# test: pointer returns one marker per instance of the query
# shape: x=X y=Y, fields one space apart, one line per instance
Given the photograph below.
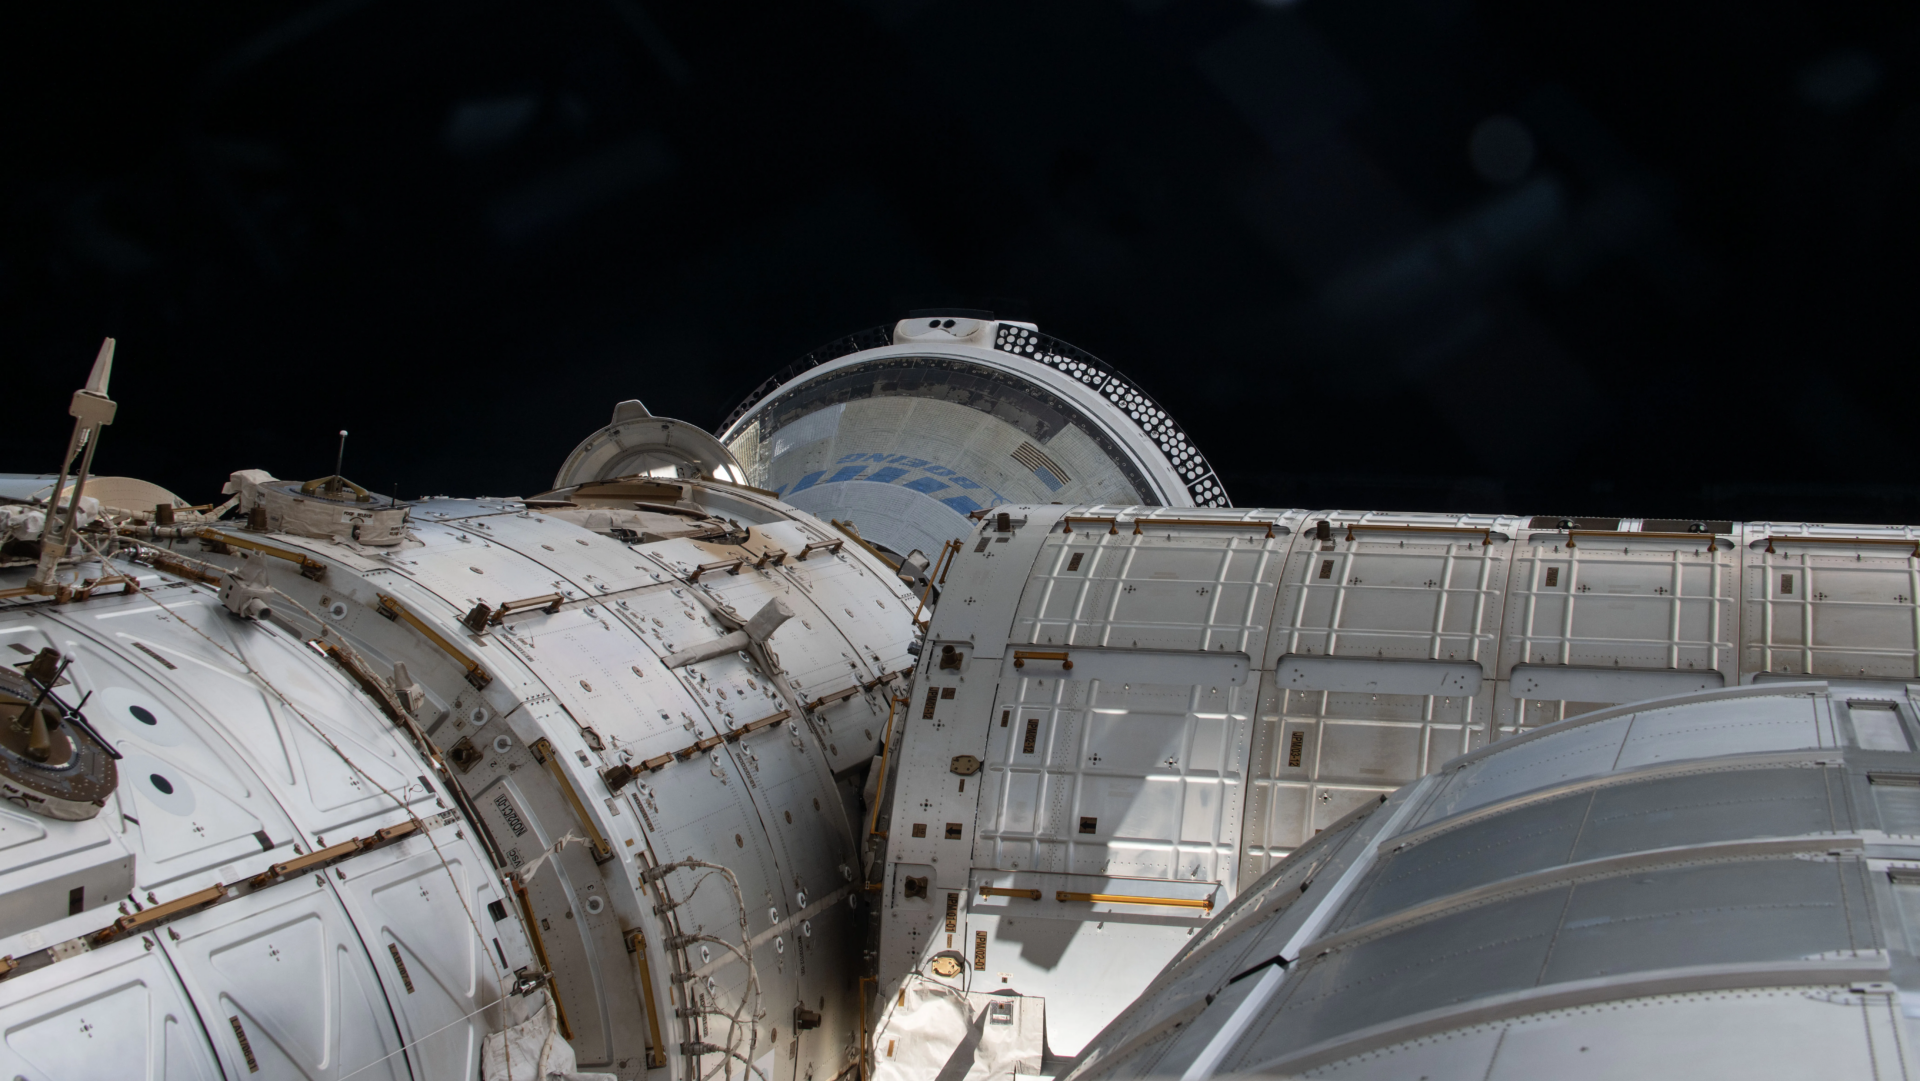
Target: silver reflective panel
x=1699 y=885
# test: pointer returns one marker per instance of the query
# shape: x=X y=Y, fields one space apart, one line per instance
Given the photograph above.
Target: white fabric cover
x=532 y=1051
x=943 y=1034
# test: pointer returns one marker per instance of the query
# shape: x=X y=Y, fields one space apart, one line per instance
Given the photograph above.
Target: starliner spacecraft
x=937 y=719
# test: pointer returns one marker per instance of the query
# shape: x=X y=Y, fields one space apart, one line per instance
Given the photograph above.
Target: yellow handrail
x=880 y=785
x=656 y=1051
x=1889 y=542
x=309 y=567
x=543 y=751
x=1113 y=523
x=393 y=609
x=1125 y=899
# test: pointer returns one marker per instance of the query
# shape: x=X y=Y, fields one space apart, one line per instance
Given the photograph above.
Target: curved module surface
x=905 y=430
x=374 y=802
x=1713 y=885
x=1126 y=715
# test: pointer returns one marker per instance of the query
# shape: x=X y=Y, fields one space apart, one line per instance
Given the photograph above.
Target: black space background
x=464 y=230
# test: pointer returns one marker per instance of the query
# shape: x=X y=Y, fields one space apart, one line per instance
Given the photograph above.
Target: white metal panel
x=807 y=954
x=530 y=818
x=930 y=824
x=1138 y=666
x=1833 y=601
x=1124 y=773
x=1385 y=661
x=117 y=1012
x=1587 y=749
x=591 y=563
x=287 y=963
x=50 y=869
x=1319 y=754
x=1137 y=780
x=732 y=689
x=1421 y=587
x=423 y=912
x=1877 y=726
x=1094 y=958
x=1371 y=676
x=1621 y=603
x=819 y=660
x=702 y=808
x=1164 y=588
x=932 y=819
x=193 y=805
x=851 y=728
x=667 y=617
x=464 y=572
x=788 y=535
x=606 y=678
x=985 y=581
x=354 y=773
x=218 y=679
x=1605 y=686
x=865 y=603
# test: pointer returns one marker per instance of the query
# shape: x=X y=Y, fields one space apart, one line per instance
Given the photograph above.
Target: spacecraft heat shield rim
x=857 y=342
x=1019 y=396
x=1182 y=467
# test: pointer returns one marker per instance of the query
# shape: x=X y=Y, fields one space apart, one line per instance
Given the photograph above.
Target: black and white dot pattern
x=1192 y=466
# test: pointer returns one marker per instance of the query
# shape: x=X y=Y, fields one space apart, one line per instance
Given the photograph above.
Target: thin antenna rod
x=338 y=459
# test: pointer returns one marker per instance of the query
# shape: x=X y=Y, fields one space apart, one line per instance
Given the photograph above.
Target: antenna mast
x=92 y=410
x=333 y=483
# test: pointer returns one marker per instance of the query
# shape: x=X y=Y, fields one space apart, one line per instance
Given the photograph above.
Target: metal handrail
x=1710 y=538
x=880 y=785
x=1486 y=532
x=309 y=567
x=1887 y=542
x=1205 y=903
x=1113 y=523
x=393 y=609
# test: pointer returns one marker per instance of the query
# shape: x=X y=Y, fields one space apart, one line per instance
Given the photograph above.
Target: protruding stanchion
x=92 y=410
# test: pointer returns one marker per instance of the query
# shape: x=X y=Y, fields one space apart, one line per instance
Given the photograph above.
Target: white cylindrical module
x=374 y=801
x=1123 y=716
x=905 y=430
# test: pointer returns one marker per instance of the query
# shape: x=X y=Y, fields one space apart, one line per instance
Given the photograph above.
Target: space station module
x=940 y=718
